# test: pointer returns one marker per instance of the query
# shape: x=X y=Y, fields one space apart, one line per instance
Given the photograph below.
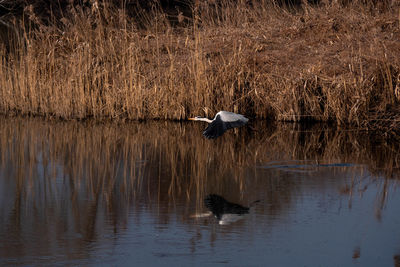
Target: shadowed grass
x=328 y=62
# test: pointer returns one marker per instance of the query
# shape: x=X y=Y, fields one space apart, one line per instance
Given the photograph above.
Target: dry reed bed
x=325 y=63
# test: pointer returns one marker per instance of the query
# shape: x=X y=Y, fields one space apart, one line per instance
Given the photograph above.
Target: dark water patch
x=302 y=166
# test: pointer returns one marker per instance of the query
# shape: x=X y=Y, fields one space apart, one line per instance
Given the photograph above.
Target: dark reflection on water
x=224 y=211
x=85 y=193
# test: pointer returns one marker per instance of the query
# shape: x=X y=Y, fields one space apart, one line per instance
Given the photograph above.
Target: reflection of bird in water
x=225 y=211
x=356 y=253
x=223 y=121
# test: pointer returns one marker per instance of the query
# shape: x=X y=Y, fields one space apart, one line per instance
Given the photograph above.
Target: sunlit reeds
x=328 y=63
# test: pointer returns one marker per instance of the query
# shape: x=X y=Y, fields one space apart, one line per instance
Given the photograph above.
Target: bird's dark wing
x=220 y=206
x=234 y=124
x=215 y=204
x=219 y=127
x=234 y=208
x=216 y=128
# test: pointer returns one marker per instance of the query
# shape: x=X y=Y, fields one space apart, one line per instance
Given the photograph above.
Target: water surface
x=74 y=193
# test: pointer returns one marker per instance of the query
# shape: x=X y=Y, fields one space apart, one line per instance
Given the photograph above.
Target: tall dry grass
x=329 y=62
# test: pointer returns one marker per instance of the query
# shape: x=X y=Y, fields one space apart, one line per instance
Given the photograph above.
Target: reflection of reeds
x=103 y=159
x=81 y=172
x=328 y=63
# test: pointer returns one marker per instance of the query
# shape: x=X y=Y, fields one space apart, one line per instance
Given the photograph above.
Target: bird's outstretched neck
x=200 y=119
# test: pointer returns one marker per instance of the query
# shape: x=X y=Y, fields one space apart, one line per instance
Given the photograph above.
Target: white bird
x=223 y=121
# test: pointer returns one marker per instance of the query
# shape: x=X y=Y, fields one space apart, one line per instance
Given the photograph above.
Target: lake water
x=132 y=194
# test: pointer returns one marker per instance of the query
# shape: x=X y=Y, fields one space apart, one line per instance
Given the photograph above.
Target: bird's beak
x=191 y=119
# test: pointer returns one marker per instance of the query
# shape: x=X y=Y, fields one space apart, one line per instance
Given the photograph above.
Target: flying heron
x=223 y=121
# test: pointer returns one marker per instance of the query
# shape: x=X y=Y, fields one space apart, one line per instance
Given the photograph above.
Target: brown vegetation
x=326 y=62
